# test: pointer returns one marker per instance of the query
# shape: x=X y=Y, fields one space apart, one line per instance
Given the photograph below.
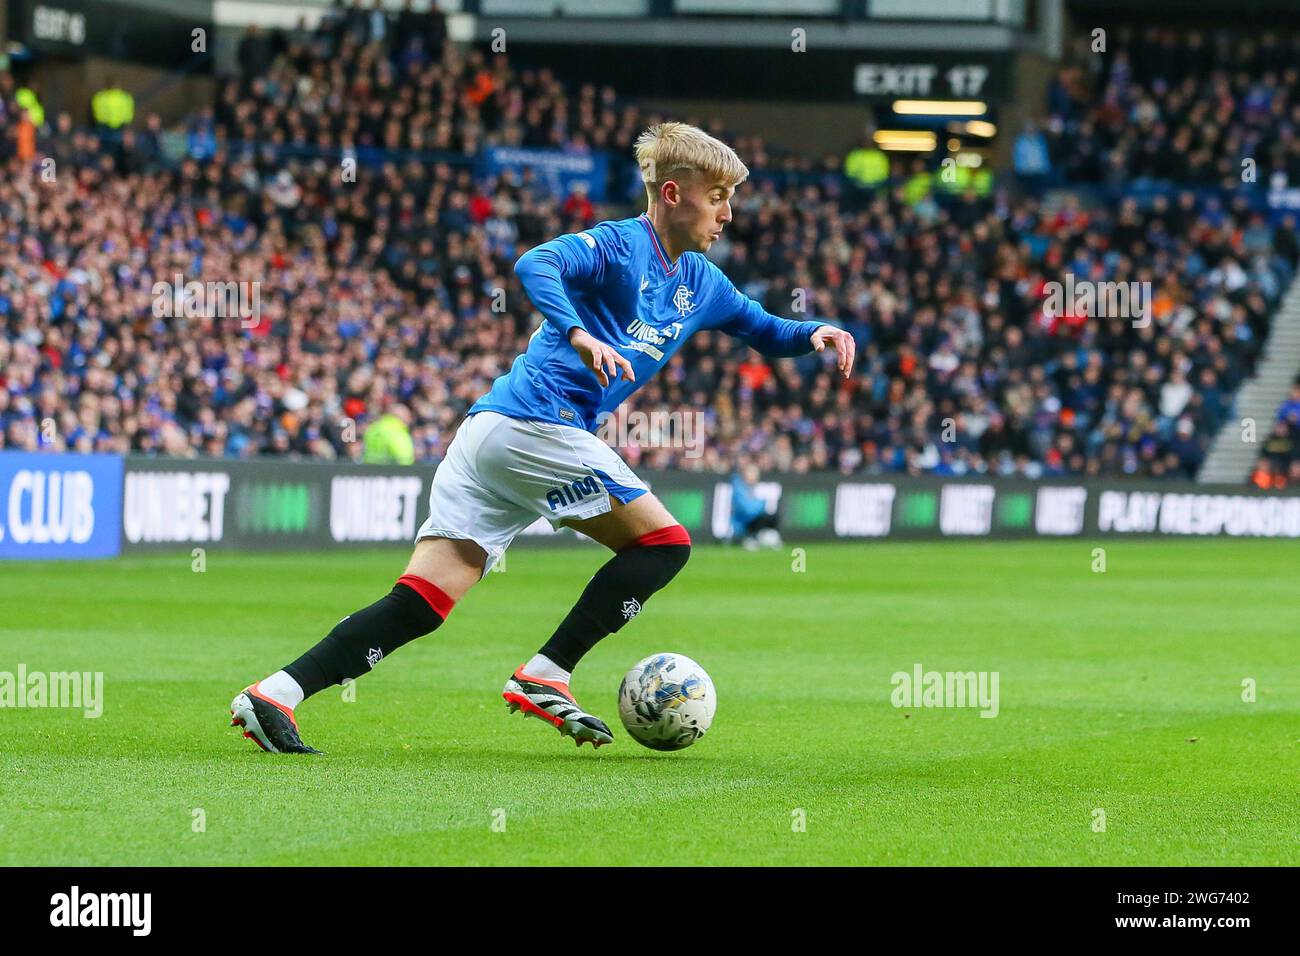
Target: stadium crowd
x=1279 y=461
x=1199 y=108
x=383 y=287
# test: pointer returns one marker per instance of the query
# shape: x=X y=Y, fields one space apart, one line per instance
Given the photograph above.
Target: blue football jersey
x=615 y=281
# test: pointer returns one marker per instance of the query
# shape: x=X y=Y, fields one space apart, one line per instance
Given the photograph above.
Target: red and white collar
x=659 y=246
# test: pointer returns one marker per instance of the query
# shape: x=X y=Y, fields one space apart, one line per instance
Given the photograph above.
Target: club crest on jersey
x=683 y=301
x=570 y=494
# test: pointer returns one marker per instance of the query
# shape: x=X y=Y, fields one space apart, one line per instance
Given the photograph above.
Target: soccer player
x=618 y=299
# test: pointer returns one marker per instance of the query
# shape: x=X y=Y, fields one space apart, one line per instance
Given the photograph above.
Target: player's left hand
x=845 y=347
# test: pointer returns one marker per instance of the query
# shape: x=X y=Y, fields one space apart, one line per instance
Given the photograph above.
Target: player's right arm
x=543 y=271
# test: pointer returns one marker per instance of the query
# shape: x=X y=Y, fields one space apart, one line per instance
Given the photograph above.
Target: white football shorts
x=501 y=473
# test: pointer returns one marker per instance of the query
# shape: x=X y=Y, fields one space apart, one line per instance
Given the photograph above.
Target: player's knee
x=655 y=557
x=682 y=549
x=673 y=535
x=674 y=544
x=681 y=554
x=453 y=564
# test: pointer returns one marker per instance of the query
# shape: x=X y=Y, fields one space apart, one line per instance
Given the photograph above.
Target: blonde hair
x=666 y=150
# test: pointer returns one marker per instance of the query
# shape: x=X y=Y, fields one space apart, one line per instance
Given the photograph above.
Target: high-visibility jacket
x=867 y=166
x=387 y=441
x=26 y=98
x=113 y=107
x=917 y=188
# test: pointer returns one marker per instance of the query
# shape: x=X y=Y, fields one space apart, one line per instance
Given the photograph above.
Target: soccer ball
x=667 y=702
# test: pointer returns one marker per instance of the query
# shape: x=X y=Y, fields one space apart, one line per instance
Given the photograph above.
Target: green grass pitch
x=1119 y=691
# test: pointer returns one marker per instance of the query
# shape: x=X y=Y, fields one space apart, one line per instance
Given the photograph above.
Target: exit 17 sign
x=924 y=79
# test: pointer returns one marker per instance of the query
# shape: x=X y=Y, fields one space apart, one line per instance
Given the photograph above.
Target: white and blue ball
x=667 y=702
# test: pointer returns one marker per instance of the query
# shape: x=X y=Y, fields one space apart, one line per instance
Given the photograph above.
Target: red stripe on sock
x=436 y=596
x=673 y=534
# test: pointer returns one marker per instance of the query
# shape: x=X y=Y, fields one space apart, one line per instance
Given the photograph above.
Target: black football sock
x=413 y=608
x=617 y=592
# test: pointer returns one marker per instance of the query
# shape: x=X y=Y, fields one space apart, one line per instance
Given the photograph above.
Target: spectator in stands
x=387 y=440
x=578 y=207
x=1289 y=411
x=1030 y=157
x=29 y=101
x=866 y=165
x=752 y=524
x=112 y=108
x=254 y=53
